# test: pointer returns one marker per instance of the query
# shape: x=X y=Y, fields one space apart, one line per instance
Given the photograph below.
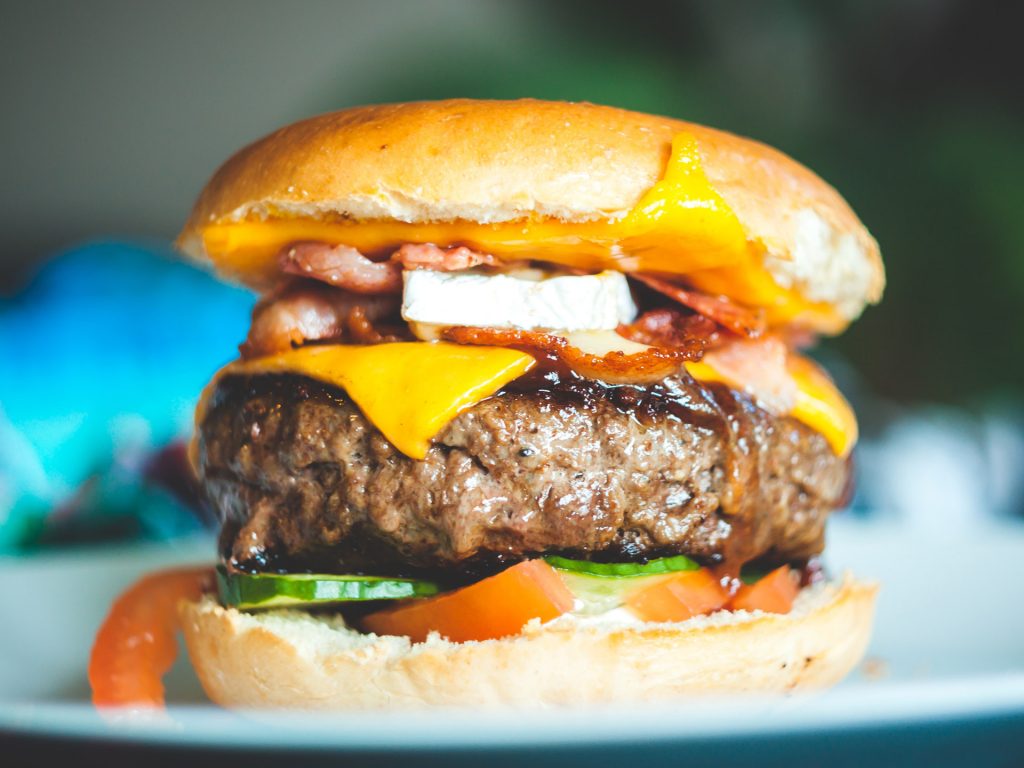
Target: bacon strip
x=759 y=368
x=342 y=267
x=616 y=367
x=669 y=327
x=430 y=256
x=740 y=320
x=300 y=313
x=362 y=330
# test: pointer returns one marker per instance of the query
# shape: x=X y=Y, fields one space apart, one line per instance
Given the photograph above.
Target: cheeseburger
x=523 y=416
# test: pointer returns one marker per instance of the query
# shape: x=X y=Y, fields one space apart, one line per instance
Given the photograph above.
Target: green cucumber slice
x=753 y=575
x=247 y=591
x=660 y=565
x=602 y=587
x=598 y=594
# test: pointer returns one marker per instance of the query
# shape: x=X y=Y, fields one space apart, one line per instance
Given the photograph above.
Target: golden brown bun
x=289 y=659
x=492 y=161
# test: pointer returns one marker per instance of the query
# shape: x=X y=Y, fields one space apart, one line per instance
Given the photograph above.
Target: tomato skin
x=773 y=593
x=498 y=606
x=137 y=644
x=679 y=597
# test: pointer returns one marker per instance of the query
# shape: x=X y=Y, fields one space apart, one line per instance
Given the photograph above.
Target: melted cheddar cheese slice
x=680 y=226
x=821 y=406
x=409 y=390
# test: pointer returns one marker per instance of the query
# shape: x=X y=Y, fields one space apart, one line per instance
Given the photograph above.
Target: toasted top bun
x=290 y=659
x=495 y=161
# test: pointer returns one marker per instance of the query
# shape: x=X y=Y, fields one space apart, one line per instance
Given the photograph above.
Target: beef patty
x=553 y=463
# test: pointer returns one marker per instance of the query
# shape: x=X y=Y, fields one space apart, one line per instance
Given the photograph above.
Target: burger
x=523 y=417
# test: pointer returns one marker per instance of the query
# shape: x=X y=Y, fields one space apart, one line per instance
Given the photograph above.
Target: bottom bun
x=290 y=659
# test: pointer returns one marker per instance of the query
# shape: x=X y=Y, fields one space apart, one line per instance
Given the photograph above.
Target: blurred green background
x=115 y=113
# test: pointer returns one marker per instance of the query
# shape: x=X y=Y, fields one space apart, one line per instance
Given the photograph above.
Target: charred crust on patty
x=303 y=481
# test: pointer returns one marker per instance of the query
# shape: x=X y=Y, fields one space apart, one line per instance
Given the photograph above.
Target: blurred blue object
x=102 y=358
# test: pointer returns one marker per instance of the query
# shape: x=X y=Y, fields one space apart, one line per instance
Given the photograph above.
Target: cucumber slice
x=247 y=591
x=753 y=575
x=618 y=570
x=601 y=587
x=598 y=594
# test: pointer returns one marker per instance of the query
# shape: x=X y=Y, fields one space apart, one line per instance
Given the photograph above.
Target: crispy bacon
x=430 y=256
x=305 y=312
x=740 y=320
x=362 y=330
x=761 y=368
x=342 y=267
x=669 y=327
x=615 y=367
x=345 y=267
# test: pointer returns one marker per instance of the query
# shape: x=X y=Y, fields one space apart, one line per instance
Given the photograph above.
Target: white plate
x=944 y=681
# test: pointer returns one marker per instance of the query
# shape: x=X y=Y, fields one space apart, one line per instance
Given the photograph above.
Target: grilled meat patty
x=553 y=463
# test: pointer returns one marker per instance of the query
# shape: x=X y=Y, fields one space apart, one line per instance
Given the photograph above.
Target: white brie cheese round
x=566 y=303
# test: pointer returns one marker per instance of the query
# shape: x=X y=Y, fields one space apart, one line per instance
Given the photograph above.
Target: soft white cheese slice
x=566 y=303
x=600 y=343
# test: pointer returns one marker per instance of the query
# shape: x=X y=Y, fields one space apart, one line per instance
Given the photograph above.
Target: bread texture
x=290 y=659
x=495 y=161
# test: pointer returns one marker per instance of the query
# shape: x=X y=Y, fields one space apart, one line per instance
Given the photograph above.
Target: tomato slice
x=679 y=597
x=773 y=593
x=137 y=643
x=495 y=607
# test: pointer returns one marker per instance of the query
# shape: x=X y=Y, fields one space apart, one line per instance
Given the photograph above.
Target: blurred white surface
x=941 y=471
x=947 y=643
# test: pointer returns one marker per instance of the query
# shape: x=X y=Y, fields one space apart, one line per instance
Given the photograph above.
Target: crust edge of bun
x=288 y=659
x=492 y=161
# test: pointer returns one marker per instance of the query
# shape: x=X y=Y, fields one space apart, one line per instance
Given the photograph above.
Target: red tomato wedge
x=498 y=606
x=679 y=597
x=137 y=643
x=773 y=593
